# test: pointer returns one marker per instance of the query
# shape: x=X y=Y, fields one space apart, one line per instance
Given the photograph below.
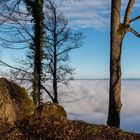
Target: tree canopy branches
x=47 y=34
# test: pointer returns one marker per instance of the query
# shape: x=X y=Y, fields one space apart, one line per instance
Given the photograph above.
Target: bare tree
x=118 y=32
x=60 y=41
x=16 y=20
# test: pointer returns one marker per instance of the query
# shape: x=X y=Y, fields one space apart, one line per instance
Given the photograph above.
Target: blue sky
x=92 y=60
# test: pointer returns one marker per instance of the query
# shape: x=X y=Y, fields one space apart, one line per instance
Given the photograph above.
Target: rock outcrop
x=15 y=103
x=51 y=110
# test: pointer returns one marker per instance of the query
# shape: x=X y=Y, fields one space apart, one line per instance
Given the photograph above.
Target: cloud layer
x=87 y=13
x=90 y=102
x=90 y=13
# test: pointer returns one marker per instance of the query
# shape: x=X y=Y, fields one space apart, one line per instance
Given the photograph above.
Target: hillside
x=53 y=129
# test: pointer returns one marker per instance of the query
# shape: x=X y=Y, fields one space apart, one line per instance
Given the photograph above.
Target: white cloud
x=87 y=13
x=93 y=103
x=90 y=13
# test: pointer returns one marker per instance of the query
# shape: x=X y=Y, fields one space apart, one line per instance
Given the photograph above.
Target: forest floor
x=54 y=129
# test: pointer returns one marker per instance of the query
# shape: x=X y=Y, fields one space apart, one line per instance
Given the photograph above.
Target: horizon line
x=104 y=79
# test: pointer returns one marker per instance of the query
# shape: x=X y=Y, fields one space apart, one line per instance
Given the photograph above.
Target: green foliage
x=28 y=105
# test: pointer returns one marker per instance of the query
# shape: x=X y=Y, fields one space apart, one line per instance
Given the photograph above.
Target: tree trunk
x=55 y=100
x=55 y=68
x=117 y=34
x=115 y=84
x=38 y=50
x=55 y=77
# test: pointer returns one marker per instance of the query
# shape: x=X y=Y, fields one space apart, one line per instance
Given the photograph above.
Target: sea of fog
x=88 y=100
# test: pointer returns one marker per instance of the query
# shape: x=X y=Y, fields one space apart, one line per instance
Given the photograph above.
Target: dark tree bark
x=36 y=8
x=115 y=66
x=55 y=100
x=39 y=26
x=117 y=33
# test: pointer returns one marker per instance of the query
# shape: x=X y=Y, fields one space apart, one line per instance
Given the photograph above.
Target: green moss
x=52 y=110
x=28 y=105
x=16 y=103
x=121 y=29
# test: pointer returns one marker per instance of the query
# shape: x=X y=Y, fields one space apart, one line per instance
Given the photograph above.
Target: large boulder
x=15 y=103
x=51 y=110
x=47 y=120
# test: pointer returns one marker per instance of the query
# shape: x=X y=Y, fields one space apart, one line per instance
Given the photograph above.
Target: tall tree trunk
x=55 y=100
x=38 y=50
x=115 y=84
x=117 y=34
x=55 y=90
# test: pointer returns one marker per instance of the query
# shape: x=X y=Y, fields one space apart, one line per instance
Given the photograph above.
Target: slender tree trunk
x=55 y=88
x=55 y=76
x=55 y=100
x=55 y=70
x=38 y=50
x=117 y=35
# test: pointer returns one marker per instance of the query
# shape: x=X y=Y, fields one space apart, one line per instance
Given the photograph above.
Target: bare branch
x=67 y=50
x=47 y=92
x=24 y=29
x=136 y=18
x=11 y=11
x=128 y=11
x=11 y=41
x=75 y=100
x=13 y=48
x=134 y=32
x=7 y=65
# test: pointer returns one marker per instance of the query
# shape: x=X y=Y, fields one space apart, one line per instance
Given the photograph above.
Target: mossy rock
x=28 y=105
x=15 y=103
x=51 y=110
